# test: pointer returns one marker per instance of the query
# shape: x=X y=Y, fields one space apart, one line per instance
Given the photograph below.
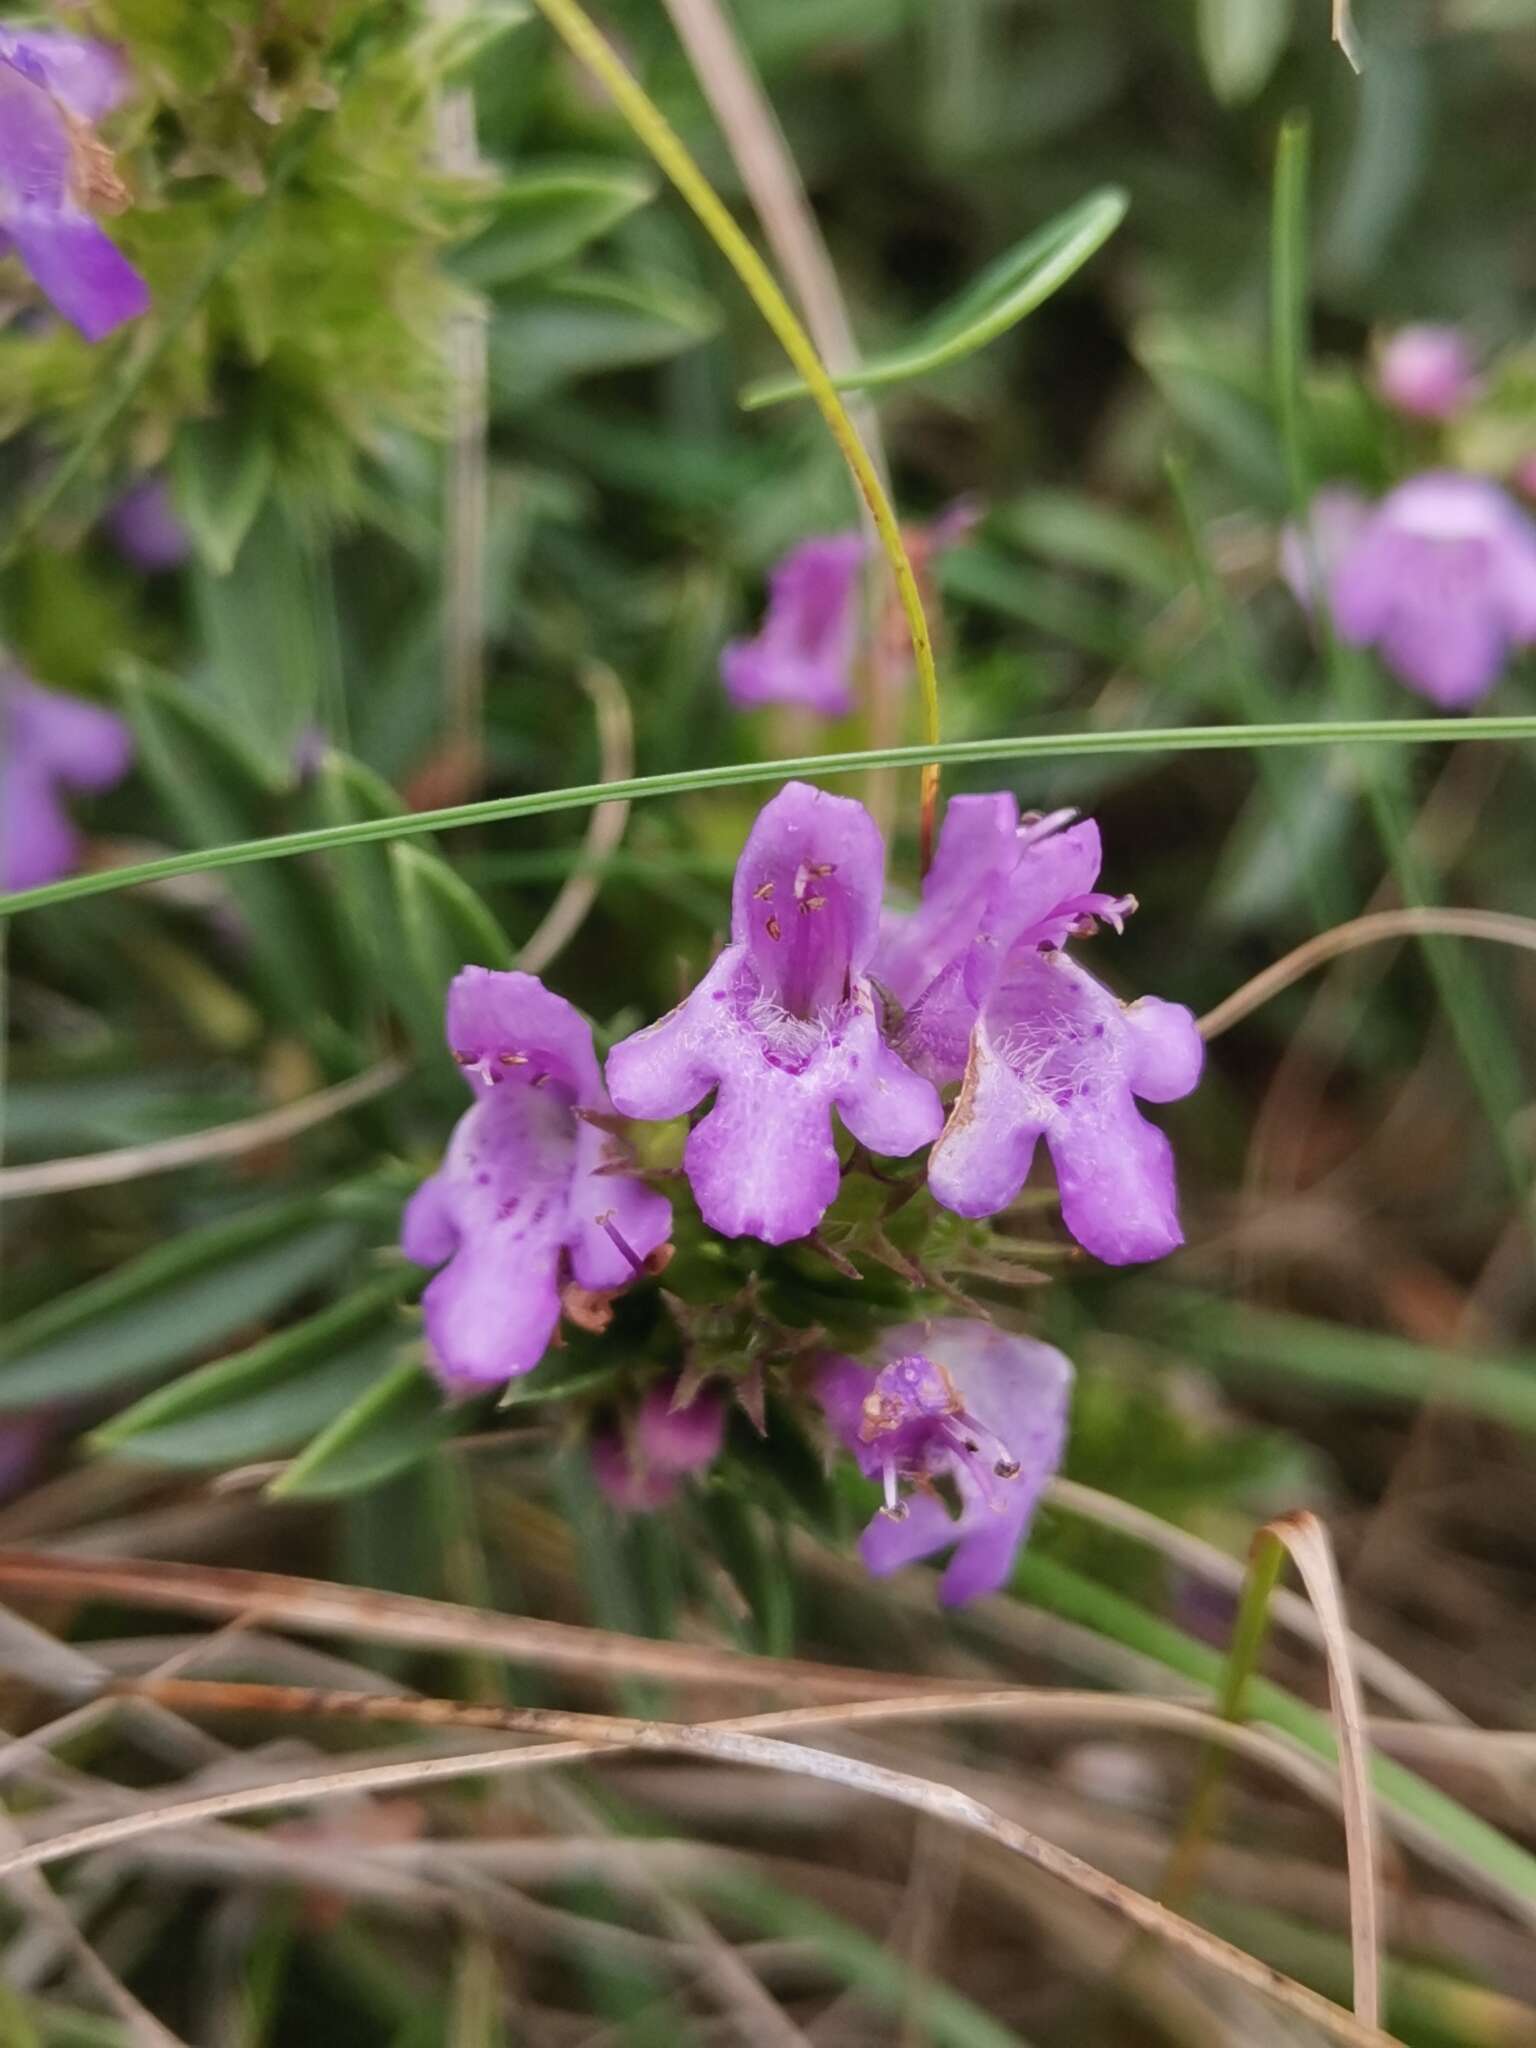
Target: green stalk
x=730 y=775
x=585 y=40
x=1249 y=1633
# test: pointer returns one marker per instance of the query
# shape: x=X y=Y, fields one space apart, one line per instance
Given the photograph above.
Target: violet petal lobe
x=1442 y=580
x=525 y=1184
x=959 y=1402
x=88 y=77
x=1056 y=1055
x=49 y=743
x=804 y=651
x=1335 y=518
x=784 y=1029
x=46 y=168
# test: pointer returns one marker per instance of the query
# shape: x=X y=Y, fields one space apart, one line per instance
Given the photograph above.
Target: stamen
x=763 y=893
x=822 y=868
x=895 y=1508
x=628 y=1250
x=773 y=928
x=513 y=1059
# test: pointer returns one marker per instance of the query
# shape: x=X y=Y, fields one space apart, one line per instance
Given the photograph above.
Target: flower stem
x=586 y=41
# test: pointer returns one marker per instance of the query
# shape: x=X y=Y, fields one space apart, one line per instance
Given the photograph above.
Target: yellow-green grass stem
x=587 y=43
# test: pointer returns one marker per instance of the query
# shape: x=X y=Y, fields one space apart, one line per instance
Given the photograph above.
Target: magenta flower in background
x=523 y=1190
x=1336 y=517
x=959 y=1401
x=52 y=743
x=145 y=529
x=1426 y=371
x=1442 y=581
x=1042 y=1048
x=52 y=86
x=784 y=1027
x=639 y=1465
x=803 y=652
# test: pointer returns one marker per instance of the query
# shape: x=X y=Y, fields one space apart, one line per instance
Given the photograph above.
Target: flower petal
x=509 y=1028
x=804 y=651
x=806 y=898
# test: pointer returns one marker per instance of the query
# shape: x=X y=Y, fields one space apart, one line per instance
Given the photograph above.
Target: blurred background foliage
x=1352 y=1324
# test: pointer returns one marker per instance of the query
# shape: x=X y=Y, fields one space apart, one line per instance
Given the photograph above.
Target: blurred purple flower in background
x=1441 y=579
x=49 y=743
x=1044 y=1050
x=1426 y=371
x=638 y=1465
x=958 y=1401
x=145 y=529
x=803 y=652
x=52 y=169
x=525 y=1185
x=1335 y=518
x=784 y=1027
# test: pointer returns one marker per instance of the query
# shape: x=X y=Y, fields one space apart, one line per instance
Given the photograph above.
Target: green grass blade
x=731 y=775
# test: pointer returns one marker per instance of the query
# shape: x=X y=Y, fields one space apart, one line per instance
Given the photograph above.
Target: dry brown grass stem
x=1307 y=1542
x=1392 y=1680
x=1499 y=927
x=605 y=827
x=719 y=1743
x=197 y=1148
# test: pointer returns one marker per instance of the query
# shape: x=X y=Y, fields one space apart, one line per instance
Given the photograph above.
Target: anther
x=773 y=928
x=763 y=893
x=513 y=1059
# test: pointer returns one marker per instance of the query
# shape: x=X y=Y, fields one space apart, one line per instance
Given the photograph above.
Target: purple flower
x=525 y=1187
x=638 y=1467
x=958 y=1401
x=1336 y=516
x=1442 y=580
x=1043 y=1049
x=784 y=1027
x=51 y=743
x=52 y=86
x=804 y=650
x=145 y=528
x=1426 y=372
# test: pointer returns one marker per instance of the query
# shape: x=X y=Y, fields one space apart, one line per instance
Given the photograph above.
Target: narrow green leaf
x=447 y=924
x=1240 y=44
x=396 y=1423
x=555 y=334
x=274 y=1394
x=1019 y=281
x=546 y=216
x=213 y=785
x=1042 y=746
x=223 y=471
x=1350 y=1364
x=172 y=1303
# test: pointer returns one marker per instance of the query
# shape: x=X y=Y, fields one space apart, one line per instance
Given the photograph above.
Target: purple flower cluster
x=53 y=171
x=49 y=744
x=954 y=1401
x=815 y=1007
x=1440 y=577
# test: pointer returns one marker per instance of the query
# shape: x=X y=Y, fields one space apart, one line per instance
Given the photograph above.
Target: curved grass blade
x=1021 y=279
x=1177 y=739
